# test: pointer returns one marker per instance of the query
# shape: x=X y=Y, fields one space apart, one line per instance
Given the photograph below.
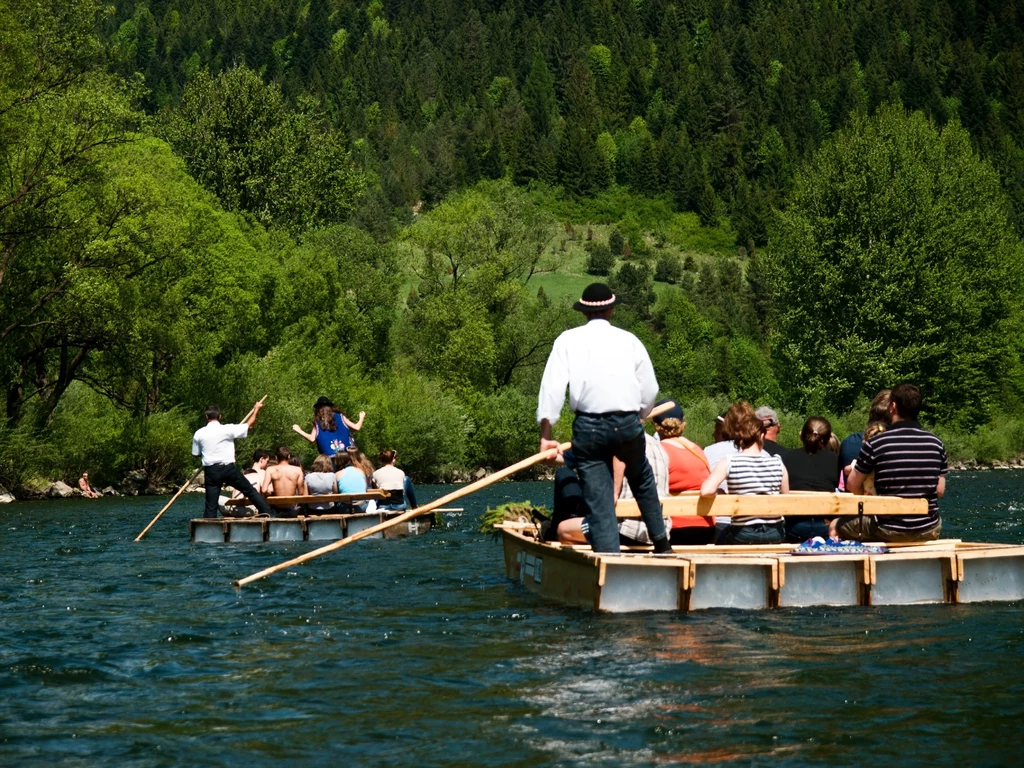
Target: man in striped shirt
x=908 y=461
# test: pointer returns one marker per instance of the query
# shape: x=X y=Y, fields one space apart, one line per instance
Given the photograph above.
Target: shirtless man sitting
x=85 y=488
x=285 y=479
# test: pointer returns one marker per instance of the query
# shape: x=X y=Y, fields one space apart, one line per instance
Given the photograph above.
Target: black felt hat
x=597 y=297
x=322 y=401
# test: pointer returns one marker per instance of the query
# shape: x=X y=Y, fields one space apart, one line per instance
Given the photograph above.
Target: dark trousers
x=761 y=533
x=596 y=440
x=800 y=529
x=569 y=502
x=216 y=476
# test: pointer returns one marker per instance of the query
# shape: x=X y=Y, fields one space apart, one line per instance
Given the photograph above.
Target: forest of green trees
x=393 y=204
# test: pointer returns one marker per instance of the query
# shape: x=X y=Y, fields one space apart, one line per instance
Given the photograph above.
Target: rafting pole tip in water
x=189 y=482
x=547 y=455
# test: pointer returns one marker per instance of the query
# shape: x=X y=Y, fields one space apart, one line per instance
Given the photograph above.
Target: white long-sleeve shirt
x=606 y=369
x=216 y=442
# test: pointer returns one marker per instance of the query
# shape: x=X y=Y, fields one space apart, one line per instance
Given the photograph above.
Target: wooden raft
x=329 y=527
x=761 y=577
x=800 y=503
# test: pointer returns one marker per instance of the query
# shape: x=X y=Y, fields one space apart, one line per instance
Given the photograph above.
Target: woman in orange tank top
x=687 y=469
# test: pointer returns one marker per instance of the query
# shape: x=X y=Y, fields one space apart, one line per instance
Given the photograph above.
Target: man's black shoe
x=662 y=546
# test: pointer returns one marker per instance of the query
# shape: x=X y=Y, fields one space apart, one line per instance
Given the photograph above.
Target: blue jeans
x=753 y=534
x=408 y=498
x=596 y=439
x=800 y=529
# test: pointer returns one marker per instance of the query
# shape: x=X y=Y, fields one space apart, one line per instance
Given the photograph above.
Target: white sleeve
x=238 y=431
x=553 y=384
x=646 y=378
x=196 y=451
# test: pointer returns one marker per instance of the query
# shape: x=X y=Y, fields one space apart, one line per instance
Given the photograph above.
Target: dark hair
x=742 y=425
x=295 y=461
x=212 y=413
x=342 y=460
x=324 y=418
x=719 y=433
x=259 y=455
x=815 y=434
x=386 y=456
x=907 y=397
x=323 y=463
x=880 y=407
x=283 y=454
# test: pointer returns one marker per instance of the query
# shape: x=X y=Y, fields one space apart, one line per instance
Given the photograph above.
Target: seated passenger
x=908 y=462
x=813 y=467
x=320 y=481
x=393 y=480
x=256 y=475
x=349 y=479
x=749 y=472
x=687 y=469
x=364 y=465
x=285 y=479
x=874 y=428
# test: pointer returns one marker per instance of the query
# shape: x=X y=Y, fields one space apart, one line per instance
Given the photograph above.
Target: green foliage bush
x=668 y=269
x=600 y=259
x=616 y=242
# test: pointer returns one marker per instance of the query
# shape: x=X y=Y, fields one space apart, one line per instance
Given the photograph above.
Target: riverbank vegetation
x=395 y=204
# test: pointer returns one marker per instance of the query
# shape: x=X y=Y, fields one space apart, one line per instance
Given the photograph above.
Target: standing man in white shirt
x=611 y=387
x=215 y=443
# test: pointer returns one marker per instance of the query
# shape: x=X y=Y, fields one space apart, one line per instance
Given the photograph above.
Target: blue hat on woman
x=675 y=412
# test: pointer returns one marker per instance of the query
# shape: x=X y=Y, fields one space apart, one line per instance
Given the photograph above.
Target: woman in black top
x=811 y=468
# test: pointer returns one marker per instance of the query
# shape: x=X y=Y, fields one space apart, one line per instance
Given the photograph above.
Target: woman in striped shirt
x=752 y=471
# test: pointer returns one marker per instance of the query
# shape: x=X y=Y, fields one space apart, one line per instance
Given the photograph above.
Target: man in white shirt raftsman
x=215 y=443
x=611 y=387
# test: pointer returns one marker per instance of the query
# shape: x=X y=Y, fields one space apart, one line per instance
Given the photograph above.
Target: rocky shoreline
x=137 y=483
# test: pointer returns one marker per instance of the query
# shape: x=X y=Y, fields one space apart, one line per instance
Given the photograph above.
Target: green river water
x=419 y=652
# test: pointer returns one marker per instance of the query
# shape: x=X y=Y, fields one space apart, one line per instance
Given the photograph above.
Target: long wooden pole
x=465 y=491
x=188 y=482
x=167 y=506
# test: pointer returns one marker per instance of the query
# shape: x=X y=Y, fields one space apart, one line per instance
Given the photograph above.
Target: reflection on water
x=420 y=652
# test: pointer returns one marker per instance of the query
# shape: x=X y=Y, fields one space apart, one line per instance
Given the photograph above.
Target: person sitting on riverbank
x=752 y=471
x=320 y=481
x=393 y=480
x=330 y=428
x=813 y=467
x=349 y=479
x=85 y=488
x=908 y=462
x=285 y=479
